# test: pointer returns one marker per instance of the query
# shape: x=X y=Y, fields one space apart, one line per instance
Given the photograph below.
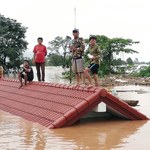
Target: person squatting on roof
x=40 y=52
x=77 y=47
x=26 y=73
x=93 y=53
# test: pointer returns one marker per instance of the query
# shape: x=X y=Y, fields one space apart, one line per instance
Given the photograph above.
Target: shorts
x=77 y=65
x=30 y=78
x=94 y=68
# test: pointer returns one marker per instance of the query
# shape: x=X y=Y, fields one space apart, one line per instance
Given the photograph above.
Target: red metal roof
x=57 y=105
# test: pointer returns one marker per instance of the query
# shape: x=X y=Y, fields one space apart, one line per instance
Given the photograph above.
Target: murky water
x=96 y=134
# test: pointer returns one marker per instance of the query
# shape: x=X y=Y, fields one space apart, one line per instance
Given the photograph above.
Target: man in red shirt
x=40 y=52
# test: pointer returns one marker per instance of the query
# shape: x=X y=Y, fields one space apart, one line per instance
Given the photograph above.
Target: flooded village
x=74 y=75
x=93 y=133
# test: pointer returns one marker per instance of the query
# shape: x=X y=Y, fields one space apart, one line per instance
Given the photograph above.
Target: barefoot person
x=40 y=52
x=93 y=54
x=77 y=48
x=26 y=74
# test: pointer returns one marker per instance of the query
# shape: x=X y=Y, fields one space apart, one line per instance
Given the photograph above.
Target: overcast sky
x=113 y=18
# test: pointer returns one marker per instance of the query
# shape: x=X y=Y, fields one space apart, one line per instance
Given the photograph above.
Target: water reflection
x=17 y=133
x=100 y=135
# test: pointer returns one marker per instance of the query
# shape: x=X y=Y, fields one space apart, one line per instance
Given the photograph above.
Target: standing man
x=40 y=52
x=93 y=54
x=77 y=48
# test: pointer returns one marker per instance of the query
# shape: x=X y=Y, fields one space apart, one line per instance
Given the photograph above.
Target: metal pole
x=75 y=17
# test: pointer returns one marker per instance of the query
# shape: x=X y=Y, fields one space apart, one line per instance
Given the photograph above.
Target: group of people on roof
x=77 y=49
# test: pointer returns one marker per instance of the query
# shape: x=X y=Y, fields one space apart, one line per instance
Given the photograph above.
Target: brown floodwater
x=89 y=134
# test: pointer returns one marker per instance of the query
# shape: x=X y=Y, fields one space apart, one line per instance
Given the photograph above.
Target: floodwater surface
x=88 y=134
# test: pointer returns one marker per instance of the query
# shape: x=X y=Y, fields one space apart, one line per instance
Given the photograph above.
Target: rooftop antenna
x=74 y=17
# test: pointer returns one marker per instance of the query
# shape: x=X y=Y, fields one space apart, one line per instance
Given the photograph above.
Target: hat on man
x=75 y=30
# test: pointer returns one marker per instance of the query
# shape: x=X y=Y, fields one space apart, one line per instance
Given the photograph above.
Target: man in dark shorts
x=93 y=54
x=26 y=73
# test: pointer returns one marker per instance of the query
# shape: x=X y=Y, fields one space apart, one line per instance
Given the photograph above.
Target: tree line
x=109 y=46
x=13 y=44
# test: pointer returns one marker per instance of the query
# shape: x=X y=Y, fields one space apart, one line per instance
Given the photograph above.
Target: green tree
x=144 y=72
x=55 y=60
x=118 y=62
x=55 y=45
x=12 y=41
x=129 y=61
x=59 y=47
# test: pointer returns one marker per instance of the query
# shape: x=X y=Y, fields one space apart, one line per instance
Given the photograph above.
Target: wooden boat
x=131 y=102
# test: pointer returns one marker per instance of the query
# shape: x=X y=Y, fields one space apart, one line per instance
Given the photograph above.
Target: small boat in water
x=131 y=102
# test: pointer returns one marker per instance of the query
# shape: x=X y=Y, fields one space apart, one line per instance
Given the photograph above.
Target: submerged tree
x=12 y=41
